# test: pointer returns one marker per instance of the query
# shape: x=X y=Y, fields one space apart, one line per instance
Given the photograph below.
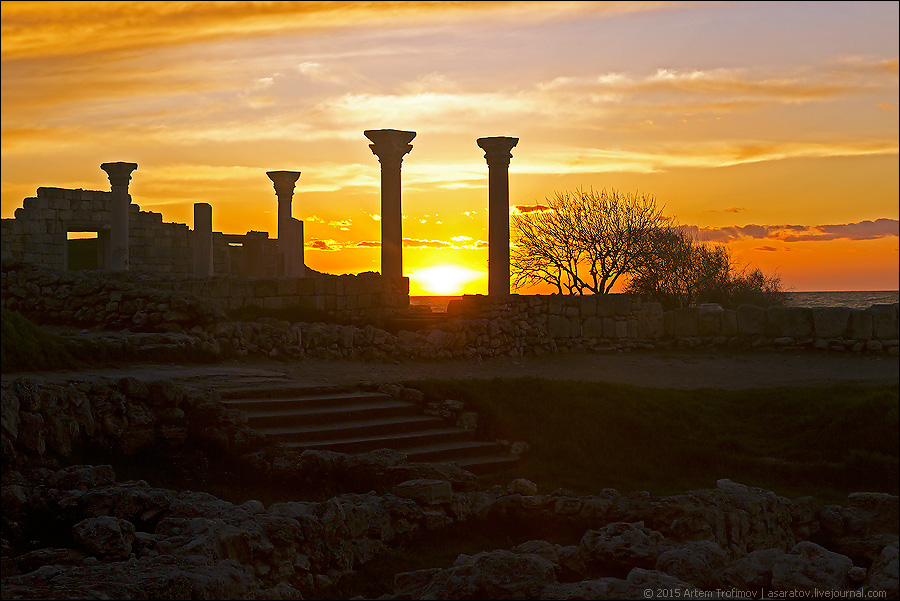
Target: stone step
x=331 y=415
x=323 y=433
x=347 y=420
x=451 y=451
x=399 y=441
x=281 y=390
x=482 y=464
x=260 y=404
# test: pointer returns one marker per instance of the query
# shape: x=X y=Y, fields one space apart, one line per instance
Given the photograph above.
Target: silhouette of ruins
x=129 y=239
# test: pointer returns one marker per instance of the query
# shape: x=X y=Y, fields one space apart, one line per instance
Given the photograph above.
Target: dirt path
x=683 y=370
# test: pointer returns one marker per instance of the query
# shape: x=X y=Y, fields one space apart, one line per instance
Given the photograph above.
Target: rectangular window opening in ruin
x=85 y=250
x=236 y=244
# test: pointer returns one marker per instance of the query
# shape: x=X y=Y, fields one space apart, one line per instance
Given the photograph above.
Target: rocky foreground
x=107 y=539
x=79 y=532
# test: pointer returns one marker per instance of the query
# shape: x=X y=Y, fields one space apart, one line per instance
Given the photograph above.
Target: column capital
x=497 y=149
x=390 y=145
x=119 y=173
x=283 y=181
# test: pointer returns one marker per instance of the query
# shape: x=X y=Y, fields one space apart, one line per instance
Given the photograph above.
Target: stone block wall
x=38 y=235
x=344 y=297
x=547 y=323
x=476 y=326
x=134 y=301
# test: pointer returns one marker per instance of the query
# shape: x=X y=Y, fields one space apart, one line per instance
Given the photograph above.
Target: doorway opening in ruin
x=85 y=250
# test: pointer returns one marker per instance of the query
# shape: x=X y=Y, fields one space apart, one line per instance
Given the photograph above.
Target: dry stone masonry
x=125 y=539
x=352 y=316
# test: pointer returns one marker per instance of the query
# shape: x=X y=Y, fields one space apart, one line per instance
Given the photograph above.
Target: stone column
x=497 y=153
x=203 y=240
x=284 y=182
x=390 y=146
x=119 y=176
x=294 y=266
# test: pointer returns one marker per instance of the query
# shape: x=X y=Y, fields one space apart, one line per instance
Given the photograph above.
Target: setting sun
x=443 y=280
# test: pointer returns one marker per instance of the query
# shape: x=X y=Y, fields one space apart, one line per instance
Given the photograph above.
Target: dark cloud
x=321 y=245
x=766 y=248
x=862 y=230
x=529 y=208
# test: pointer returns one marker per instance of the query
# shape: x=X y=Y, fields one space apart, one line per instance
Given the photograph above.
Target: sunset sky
x=770 y=126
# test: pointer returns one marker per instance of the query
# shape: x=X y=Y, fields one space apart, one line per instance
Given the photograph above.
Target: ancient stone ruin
x=129 y=239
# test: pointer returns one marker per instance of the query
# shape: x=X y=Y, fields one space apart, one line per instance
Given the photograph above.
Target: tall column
x=119 y=176
x=497 y=153
x=390 y=146
x=203 y=240
x=284 y=182
x=296 y=266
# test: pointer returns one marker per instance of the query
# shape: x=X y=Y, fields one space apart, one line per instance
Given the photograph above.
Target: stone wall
x=476 y=326
x=136 y=302
x=38 y=235
x=343 y=297
x=545 y=323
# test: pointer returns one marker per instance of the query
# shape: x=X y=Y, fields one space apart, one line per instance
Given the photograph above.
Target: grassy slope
x=24 y=346
x=585 y=436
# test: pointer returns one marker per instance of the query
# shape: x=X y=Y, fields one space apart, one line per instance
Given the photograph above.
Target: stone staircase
x=347 y=420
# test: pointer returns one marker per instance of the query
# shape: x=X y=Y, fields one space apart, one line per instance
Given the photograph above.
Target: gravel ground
x=669 y=369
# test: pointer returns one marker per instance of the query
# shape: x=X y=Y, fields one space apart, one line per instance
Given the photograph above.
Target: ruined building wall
x=38 y=235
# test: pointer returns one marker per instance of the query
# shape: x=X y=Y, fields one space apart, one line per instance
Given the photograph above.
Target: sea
x=853 y=300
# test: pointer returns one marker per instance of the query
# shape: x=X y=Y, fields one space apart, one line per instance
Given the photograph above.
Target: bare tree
x=677 y=270
x=583 y=241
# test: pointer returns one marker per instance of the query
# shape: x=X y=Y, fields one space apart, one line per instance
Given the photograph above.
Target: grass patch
x=824 y=442
x=25 y=347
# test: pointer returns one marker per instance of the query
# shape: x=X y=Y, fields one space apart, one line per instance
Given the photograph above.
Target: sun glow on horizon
x=443 y=280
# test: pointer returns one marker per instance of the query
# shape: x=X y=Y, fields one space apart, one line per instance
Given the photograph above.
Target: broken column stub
x=203 y=240
x=390 y=146
x=497 y=154
x=119 y=176
x=289 y=237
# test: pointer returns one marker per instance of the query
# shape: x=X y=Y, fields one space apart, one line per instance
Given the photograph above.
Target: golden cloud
x=42 y=29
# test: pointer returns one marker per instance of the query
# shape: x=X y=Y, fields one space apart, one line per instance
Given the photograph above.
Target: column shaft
x=284 y=182
x=498 y=230
x=203 y=240
x=119 y=176
x=391 y=222
x=390 y=146
x=497 y=153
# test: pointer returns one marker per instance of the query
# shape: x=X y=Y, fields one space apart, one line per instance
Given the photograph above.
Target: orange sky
x=770 y=126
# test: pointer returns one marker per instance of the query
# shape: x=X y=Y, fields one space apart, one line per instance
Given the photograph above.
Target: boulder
x=618 y=547
x=809 y=567
x=885 y=321
x=789 y=322
x=428 y=492
x=831 y=322
x=884 y=575
x=489 y=575
x=104 y=535
x=862 y=324
x=686 y=322
x=752 y=572
x=696 y=562
x=709 y=318
x=751 y=320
